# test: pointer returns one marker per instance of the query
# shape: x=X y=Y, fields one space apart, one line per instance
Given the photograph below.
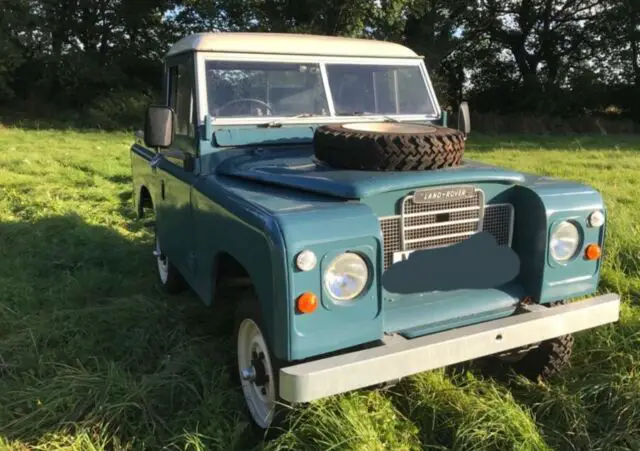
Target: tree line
x=552 y=57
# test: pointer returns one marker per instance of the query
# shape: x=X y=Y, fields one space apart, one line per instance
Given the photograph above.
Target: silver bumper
x=399 y=357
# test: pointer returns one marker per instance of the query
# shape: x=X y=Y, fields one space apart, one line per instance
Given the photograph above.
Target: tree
x=15 y=21
x=546 y=39
x=619 y=65
x=73 y=49
x=544 y=56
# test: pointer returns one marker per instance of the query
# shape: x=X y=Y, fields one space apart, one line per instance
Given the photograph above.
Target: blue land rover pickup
x=318 y=176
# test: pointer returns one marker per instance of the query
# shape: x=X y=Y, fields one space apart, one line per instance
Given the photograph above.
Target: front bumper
x=398 y=357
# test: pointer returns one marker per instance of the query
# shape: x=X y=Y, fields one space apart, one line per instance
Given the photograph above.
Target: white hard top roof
x=290 y=44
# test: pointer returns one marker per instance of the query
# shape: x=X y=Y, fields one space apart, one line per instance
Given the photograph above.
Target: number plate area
x=400 y=256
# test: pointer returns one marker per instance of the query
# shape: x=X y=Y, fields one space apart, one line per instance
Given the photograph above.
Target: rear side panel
x=142 y=175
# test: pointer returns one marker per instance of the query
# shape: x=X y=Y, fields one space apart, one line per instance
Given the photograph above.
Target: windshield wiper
x=367 y=113
x=279 y=122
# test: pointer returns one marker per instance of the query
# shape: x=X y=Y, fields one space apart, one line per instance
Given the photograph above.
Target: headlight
x=596 y=219
x=565 y=241
x=346 y=277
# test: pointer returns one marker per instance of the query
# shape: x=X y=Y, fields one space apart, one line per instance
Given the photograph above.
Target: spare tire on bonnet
x=388 y=146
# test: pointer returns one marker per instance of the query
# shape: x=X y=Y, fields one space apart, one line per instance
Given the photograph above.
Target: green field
x=94 y=356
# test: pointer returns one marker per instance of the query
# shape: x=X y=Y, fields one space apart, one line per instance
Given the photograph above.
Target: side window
x=181 y=98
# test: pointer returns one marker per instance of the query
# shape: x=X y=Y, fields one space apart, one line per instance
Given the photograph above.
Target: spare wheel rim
x=389 y=127
x=256 y=373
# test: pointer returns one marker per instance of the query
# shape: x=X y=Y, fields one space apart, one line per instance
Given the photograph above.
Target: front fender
x=346 y=226
x=265 y=228
x=541 y=203
x=227 y=222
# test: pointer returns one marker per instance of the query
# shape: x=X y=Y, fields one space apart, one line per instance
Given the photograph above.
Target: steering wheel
x=246 y=100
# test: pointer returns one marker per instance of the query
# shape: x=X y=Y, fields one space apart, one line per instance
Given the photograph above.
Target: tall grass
x=94 y=356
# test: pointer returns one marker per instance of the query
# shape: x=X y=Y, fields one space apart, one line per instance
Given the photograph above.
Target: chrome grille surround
x=438 y=224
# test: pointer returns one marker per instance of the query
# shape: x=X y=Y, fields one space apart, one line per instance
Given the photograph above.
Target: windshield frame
x=203 y=57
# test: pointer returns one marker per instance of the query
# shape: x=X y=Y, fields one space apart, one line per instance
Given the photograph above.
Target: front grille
x=391 y=238
x=498 y=221
x=427 y=226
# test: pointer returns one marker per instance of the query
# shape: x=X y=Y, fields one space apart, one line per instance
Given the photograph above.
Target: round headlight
x=596 y=219
x=564 y=241
x=346 y=277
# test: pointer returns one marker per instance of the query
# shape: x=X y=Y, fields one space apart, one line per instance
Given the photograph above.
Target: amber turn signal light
x=307 y=302
x=592 y=252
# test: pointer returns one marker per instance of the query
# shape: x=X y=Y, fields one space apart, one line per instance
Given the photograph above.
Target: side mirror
x=464 y=118
x=159 y=126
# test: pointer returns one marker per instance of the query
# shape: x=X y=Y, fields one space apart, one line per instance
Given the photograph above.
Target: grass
x=94 y=357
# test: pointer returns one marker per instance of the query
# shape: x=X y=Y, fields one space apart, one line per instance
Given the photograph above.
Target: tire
x=169 y=277
x=547 y=360
x=384 y=146
x=550 y=358
x=257 y=368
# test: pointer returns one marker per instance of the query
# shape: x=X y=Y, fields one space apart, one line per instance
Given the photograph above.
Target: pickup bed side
x=142 y=178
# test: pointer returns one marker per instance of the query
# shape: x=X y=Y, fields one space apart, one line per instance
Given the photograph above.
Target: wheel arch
x=144 y=200
x=228 y=272
x=232 y=278
x=240 y=243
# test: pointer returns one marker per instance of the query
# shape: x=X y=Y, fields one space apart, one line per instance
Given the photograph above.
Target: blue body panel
x=264 y=203
x=228 y=221
x=143 y=176
x=295 y=168
x=433 y=312
x=239 y=136
x=547 y=202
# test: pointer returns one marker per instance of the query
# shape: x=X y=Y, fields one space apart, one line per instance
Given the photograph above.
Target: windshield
x=378 y=89
x=254 y=89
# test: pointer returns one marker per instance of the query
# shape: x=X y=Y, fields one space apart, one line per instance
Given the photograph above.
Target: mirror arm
x=464 y=116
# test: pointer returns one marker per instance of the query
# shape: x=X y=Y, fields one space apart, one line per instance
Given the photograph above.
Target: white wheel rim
x=260 y=397
x=163 y=263
x=386 y=127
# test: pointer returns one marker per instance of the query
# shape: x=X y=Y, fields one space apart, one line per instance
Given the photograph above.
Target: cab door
x=175 y=169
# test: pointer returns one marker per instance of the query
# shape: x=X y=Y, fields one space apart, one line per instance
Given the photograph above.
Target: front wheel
x=551 y=357
x=543 y=361
x=258 y=369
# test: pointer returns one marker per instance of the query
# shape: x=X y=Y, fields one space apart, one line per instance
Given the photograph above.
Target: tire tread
x=378 y=151
x=548 y=359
